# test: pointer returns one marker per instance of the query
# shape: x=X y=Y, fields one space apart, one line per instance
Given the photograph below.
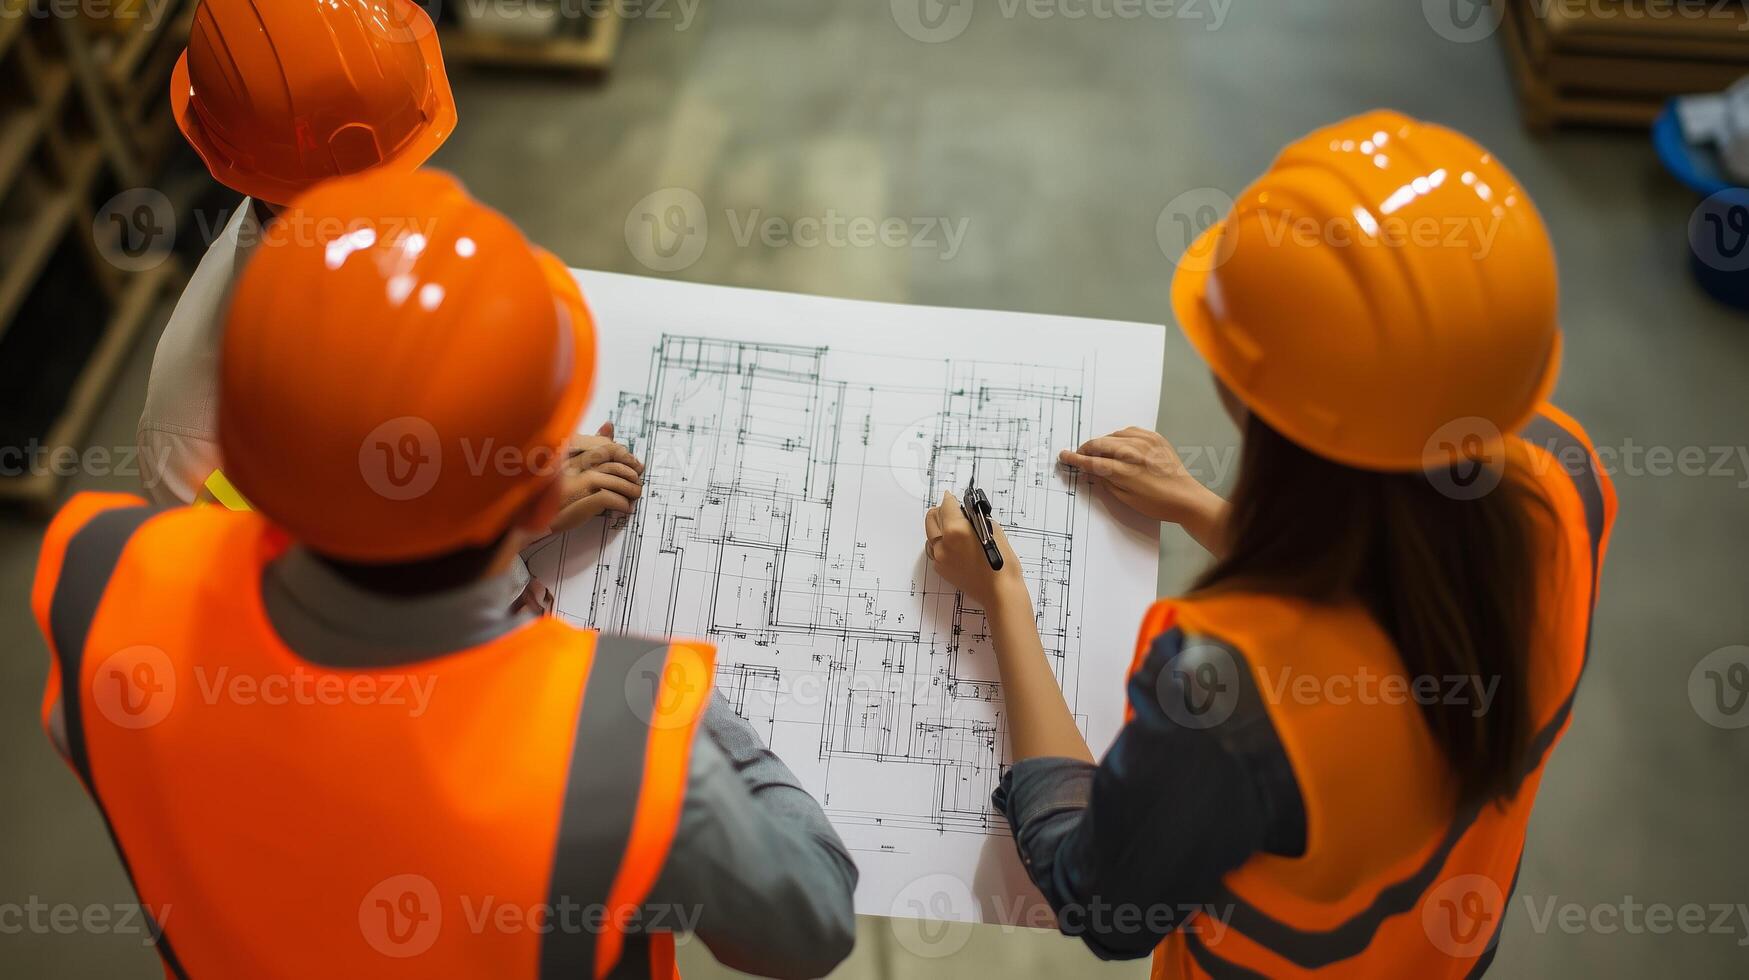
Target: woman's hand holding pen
x=1144 y=472
x=1040 y=723
x=957 y=555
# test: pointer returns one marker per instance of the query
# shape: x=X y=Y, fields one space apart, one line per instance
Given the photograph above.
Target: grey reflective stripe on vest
x=1318 y=949
x=1216 y=967
x=86 y=568
x=1575 y=459
x=601 y=801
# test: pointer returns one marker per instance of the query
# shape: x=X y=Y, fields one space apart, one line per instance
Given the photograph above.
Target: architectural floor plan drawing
x=788 y=466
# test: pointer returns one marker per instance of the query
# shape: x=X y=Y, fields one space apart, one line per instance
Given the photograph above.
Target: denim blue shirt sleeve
x=1195 y=785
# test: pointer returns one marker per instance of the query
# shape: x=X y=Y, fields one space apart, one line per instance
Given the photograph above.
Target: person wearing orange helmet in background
x=276 y=97
x=1334 y=741
x=315 y=728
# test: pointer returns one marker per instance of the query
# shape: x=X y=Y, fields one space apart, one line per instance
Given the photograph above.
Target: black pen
x=976 y=507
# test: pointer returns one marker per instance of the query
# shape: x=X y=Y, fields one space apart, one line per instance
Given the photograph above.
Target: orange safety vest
x=1392 y=882
x=501 y=811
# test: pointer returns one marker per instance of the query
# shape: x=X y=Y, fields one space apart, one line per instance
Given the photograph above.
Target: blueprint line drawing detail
x=757 y=531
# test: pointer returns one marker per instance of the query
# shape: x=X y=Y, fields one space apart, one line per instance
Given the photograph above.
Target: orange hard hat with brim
x=1384 y=293
x=276 y=96
x=401 y=369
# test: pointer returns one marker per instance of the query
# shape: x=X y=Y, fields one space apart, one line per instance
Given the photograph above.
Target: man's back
x=309 y=777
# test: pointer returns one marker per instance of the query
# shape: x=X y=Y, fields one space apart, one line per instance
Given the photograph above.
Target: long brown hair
x=1453 y=582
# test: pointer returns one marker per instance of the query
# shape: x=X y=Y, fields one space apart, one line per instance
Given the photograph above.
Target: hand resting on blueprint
x=600 y=476
x=1144 y=472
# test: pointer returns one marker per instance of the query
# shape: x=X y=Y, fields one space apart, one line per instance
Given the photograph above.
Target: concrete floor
x=1060 y=142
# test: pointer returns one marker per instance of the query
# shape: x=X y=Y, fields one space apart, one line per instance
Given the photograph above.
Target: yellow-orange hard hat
x=1385 y=282
x=401 y=369
x=276 y=95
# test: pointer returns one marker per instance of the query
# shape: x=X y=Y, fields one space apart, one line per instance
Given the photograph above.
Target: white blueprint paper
x=792 y=444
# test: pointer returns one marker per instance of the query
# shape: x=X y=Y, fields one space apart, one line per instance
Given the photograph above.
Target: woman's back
x=1394 y=870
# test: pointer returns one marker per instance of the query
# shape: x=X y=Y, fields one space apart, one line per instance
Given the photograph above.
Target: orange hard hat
x=276 y=95
x=400 y=369
x=1384 y=290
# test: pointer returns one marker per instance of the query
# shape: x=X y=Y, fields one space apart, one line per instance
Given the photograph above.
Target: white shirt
x=178 y=431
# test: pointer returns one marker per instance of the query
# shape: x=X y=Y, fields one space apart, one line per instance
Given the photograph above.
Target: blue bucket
x=1718 y=230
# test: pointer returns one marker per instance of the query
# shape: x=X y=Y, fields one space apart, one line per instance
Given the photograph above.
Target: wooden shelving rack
x=87 y=117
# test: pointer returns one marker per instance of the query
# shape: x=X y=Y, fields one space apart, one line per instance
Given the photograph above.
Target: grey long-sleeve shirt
x=754 y=857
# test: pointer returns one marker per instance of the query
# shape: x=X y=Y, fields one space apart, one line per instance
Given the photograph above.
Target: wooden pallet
x=1546 y=105
x=589 y=55
x=1610 y=65
x=1714 y=30
x=1612 y=51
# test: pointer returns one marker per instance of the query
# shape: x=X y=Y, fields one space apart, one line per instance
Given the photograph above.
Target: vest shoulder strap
x=1558 y=436
x=80 y=554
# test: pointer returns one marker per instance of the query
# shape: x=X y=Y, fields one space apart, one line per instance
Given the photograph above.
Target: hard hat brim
x=276 y=191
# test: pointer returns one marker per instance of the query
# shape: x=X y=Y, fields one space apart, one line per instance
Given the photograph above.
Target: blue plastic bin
x=1718 y=230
